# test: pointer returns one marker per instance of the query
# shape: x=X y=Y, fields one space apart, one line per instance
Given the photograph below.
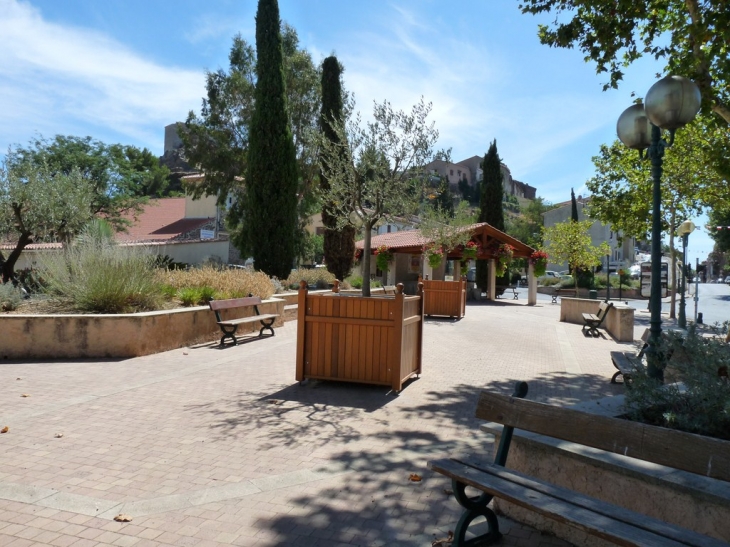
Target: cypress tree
x=339 y=243
x=270 y=199
x=491 y=197
x=574 y=207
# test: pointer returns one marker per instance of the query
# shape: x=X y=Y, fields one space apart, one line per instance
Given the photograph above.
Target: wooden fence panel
x=446 y=298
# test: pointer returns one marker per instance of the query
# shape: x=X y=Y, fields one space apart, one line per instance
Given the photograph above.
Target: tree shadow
x=376 y=502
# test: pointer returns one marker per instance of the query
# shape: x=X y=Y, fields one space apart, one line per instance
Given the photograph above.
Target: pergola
x=482 y=233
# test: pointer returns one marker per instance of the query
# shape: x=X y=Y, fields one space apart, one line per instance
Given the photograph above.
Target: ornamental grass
x=225 y=283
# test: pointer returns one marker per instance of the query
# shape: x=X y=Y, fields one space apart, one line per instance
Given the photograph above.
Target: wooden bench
x=229 y=326
x=561 y=292
x=593 y=321
x=593 y=516
x=501 y=289
x=627 y=363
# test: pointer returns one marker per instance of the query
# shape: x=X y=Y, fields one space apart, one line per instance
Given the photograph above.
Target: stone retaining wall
x=79 y=336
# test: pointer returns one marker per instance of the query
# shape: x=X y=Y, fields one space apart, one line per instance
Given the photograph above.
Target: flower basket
x=434 y=255
x=470 y=251
x=504 y=257
x=383 y=257
x=539 y=260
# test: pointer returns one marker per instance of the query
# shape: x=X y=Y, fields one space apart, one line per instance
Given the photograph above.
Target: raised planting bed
x=78 y=336
x=373 y=340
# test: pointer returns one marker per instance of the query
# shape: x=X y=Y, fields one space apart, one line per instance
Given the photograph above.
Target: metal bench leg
x=229 y=334
x=615 y=376
x=267 y=325
x=474 y=507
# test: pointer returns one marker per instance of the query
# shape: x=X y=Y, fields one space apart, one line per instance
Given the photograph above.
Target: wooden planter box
x=375 y=340
x=444 y=298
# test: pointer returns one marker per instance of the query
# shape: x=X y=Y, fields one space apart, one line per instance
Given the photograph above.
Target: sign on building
x=207 y=234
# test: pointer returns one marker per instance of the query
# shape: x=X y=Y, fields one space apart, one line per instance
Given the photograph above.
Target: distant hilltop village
x=468 y=170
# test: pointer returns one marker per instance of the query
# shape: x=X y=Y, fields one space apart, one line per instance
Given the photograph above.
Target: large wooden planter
x=444 y=298
x=375 y=340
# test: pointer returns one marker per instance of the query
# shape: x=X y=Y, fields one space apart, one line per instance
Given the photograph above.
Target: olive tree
x=377 y=170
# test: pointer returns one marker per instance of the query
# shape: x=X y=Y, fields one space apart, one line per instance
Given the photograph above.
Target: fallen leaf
x=444 y=542
x=18 y=378
x=448 y=491
x=123 y=518
x=415 y=478
x=58 y=435
x=4 y=429
x=185 y=352
x=24 y=395
x=275 y=401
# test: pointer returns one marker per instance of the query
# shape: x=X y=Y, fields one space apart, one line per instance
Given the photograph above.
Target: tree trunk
x=673 y=264
x=367 y=238
x=8 y=267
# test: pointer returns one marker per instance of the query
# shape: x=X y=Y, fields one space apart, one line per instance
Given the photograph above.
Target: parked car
x=727 y=280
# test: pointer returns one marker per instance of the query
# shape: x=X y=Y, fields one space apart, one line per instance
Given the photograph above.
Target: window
x=319 y=230
x=459 y=171
x=451 y=172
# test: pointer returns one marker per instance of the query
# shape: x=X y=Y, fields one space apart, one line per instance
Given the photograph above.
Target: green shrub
x=227 y=282
x=10 y=297
x=168 y=291
x=189 y=296
x=355 y=281
x=550 y=281
x=696 y=395
x=100 y=277
x=206 y=295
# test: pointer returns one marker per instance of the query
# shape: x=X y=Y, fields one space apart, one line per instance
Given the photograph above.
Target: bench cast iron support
x=477 y=506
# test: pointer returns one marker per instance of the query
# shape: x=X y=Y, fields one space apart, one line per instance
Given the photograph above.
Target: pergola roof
x=412 y=241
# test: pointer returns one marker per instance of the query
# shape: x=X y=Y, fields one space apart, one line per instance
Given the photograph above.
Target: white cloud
x=52 y=75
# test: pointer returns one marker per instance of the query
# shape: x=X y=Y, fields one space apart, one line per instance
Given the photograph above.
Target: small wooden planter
x=375 y=340
x=444 y=298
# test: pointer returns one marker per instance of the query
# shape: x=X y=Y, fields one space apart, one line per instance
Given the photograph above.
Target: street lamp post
x=686 y=228
x=671 y=103
x=608 y=277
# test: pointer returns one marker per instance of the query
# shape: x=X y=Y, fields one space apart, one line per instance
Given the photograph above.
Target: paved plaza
x=207 y=446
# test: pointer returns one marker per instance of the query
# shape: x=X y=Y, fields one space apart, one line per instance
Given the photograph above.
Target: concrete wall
x=205 y=207
x=685 y=499
x=619 y=322
x=33 y=337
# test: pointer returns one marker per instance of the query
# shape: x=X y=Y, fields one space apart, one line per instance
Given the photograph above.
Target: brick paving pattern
x=203 y=446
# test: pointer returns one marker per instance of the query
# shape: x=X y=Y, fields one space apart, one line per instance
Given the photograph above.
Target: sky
x=121 y=70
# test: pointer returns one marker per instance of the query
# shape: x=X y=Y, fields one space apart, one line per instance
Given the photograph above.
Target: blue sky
x=120 y=70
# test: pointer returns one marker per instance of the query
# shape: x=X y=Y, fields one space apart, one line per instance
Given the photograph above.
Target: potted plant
x=374 y=172
x=434 y=255
x=469 y=252
x=504 y=255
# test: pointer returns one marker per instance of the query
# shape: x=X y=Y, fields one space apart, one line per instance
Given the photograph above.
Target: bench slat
x=601 y=519
x=665 y=447
x=249 y=319
x=234 y=303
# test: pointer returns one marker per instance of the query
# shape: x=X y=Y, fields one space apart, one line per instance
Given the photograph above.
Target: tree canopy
x=40 y=204
x=691 y=35
x=571 y=242
x=122 y=176
x=377 y=171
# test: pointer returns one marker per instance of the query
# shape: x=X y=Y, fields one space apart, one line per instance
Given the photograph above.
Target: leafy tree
x=339 y=242
x=447 y=230
x=622 y=187
x=40 y=204
x=121 y=176
x=217 y=141
x=490 y=203
x=377 y=171
x=527 y=227
x=571 y=242
x=691 y=35
x=720 y=217
x=269 y=201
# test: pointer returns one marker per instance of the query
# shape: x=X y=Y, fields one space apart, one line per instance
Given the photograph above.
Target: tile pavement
x=202 y=446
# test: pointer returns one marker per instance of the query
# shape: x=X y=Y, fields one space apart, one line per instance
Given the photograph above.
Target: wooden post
x=396 y=346
x=336 y=286
x=301 y=323
x=419 y=349
x=462 y=294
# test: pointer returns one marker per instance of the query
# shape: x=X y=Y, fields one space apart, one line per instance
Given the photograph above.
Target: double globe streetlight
x=670 y=104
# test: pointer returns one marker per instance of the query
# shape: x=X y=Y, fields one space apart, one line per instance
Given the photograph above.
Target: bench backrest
x=216 y=305
x=603 y=308
x=694 y=453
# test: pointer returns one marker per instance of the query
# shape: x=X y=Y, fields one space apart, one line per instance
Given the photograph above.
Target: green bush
x=550 y=281
x=10 y=297
x=100 y=277
x=355 y=281
x=189 y=296
x=696 y=395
